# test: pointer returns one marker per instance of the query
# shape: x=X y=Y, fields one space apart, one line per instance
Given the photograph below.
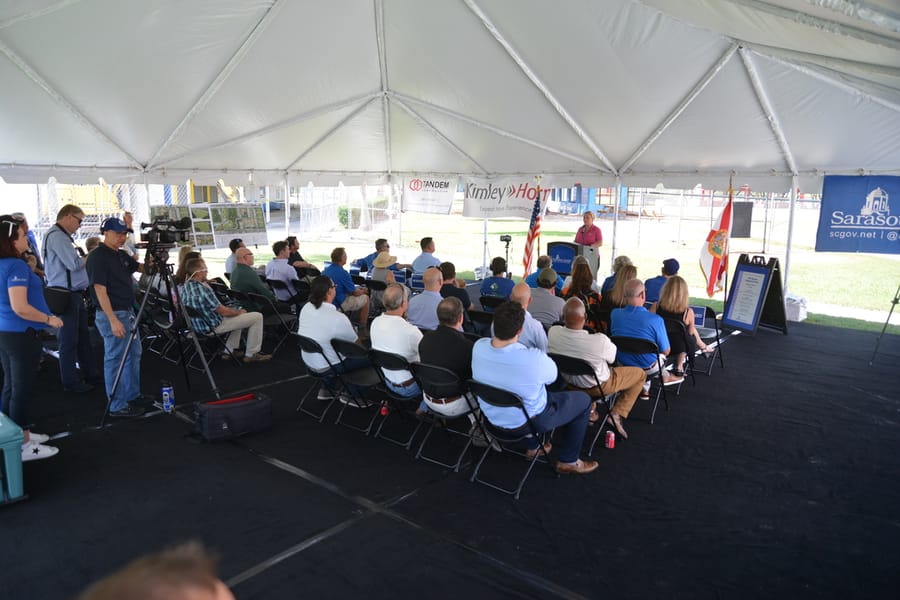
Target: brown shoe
x=579 y=467
x=616 y=421
x=531 y=452
x=258 y=357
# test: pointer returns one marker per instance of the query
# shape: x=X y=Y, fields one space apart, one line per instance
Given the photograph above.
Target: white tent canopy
x=643 y=91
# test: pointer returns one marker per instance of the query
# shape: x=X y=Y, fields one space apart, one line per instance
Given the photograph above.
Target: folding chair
x=298 y=297
x=322 y=379
x=214 y=341
x=572 y=366
x=505 y=437
x=278 y=324
x=632 y=345
x=489 y=303
x=482 y=321
x=677 y=330
x=356 y=383
x=404 y=406
x=711 y=336
x=220 y=289
x=438 y=382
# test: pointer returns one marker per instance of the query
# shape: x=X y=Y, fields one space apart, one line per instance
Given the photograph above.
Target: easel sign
x=756 y=296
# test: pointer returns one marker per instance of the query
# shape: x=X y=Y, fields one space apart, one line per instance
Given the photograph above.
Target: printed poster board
x=756 y=298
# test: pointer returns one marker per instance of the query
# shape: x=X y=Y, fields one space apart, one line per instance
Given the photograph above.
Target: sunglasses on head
x=13 y=225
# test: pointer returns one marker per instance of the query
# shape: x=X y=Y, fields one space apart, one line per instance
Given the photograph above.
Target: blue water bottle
x=168 y=397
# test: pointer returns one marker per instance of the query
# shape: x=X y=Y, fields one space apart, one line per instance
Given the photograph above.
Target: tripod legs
x=887 y=321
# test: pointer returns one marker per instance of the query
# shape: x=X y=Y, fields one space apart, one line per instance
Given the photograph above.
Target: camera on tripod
x=506 y=238
x=163 y=234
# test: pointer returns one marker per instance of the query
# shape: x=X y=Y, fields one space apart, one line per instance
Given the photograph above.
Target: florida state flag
x=714 y=253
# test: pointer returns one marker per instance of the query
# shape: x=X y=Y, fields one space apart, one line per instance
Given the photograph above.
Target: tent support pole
x=787 y=253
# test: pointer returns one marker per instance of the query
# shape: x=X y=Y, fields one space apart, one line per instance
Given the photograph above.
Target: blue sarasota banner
x=856 y=215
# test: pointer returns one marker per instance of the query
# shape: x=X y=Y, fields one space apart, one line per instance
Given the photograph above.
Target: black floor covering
x=778 y=476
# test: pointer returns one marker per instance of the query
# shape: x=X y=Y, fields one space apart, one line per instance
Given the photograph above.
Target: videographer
x=110 y=271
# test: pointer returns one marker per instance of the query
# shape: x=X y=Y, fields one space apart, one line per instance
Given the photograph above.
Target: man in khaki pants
x=212 y=315
x=596 y=349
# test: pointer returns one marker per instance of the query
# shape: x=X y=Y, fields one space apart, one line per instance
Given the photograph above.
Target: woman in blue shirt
x=23 y=312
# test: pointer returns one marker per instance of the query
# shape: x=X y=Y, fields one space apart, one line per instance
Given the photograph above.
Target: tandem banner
x=856 y=214
x=507 y=197
x=428 y=194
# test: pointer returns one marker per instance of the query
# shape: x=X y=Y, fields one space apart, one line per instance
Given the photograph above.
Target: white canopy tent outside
x=603 y=92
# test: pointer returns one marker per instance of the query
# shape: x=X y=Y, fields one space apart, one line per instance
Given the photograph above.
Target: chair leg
x=318 y=416
x=402 y=443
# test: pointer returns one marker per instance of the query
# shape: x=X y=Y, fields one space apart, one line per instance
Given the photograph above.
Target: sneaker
x=480 y=441
x=79 y=388
x=673 y=380
x=325 y=394
x=33 y=451
x=38 y=438
x=361 y=403
x=130 y=410
x=258 y=357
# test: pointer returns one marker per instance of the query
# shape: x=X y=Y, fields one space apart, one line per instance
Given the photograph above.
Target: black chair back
x=347 y=349
x=491 y=302
x=388 y=360
x=570 y=365
x=438 y=382
x=632 y=345
x=375 y=285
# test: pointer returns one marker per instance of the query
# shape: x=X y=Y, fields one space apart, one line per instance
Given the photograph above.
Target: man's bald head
x=521 y=293
x=634 y=290
x=574 y=314
x=433 y=279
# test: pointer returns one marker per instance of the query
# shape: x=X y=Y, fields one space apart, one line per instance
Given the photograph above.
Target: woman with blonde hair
x=616 y=296
x=609 y=282
x=674 y=304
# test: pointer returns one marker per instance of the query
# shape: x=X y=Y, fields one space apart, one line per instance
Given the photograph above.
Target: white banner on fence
x=428 y=195
x=508 y=197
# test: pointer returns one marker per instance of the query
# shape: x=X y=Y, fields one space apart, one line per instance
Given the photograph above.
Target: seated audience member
x=544 y=262
x=180 y=275
x=635 y=321
x=391 y=332
x=233 y=245
x=320 y=321
x=674 y=303
x=506 y=364
x=618 y=263
x=616 y=296
x=381 y=268
x=596 y=349
x=186 y=572
x=280 y=269
x=427 y=258
x=545 y=306
x=245 y=278
x=214 y=316
x=533 y=334
x=91 y=243
x=582 y=287
x=304 y=269
x=382 y=246
x=452 y=286
x=498 y=285
x=446 y=346
x=423 y=307
x=653 y=286
x=580 y=260
x=349 y=297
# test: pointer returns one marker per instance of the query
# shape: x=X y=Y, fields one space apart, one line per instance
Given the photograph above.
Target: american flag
x=534 y=232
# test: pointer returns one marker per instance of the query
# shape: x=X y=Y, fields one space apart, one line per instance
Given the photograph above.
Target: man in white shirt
x=278 y=269
x=391 y=332
x=545 y=305
x=596 y=349
x=427 y=258
x=423 y=307
x=321 y=321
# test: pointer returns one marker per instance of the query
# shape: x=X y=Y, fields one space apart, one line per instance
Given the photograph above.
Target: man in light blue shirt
x=422 y=310
x=427 y=258
x=533 y=334
x=505 y=363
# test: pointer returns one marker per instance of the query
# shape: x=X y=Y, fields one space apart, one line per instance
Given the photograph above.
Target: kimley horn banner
x=428 y=194
x=856 y=214
x=507 y=197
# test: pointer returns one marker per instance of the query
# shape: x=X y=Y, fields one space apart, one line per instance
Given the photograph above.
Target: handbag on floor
x=232 y=417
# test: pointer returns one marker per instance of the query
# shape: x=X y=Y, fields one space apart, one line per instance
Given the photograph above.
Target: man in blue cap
x=654 y=286
x=110 y=271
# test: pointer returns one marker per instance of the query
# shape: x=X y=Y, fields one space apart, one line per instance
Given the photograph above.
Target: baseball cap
x=115 y=224
x=671 y=266
x=547 y=275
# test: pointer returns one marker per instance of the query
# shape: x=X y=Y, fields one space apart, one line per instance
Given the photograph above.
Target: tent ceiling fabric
x=681 y=92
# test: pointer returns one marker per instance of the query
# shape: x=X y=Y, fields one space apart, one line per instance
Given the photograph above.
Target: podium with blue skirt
x=11 y=438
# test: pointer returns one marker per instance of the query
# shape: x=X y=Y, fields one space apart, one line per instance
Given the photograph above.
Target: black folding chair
x=214 y=343
x=508 y=437
x=403 y=406
x=277 y=324
x=298 y=296
x=711 y=335
x=572 y=366
x=440 y=383
x=632 y=345
x=677 y=330
x=220 y=289
x=482 y=321
x=327 y=379
x=489 y=303
x=357 y=383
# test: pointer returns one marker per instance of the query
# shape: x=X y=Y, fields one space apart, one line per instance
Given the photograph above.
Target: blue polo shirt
x=497 y=286
x=638 y=322
x=653 y=287
x=343 y=283
x=14 y=272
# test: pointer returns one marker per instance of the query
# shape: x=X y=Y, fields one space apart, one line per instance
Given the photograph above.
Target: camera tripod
x=507 y=242
x=160 y=267
x=887 y=321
